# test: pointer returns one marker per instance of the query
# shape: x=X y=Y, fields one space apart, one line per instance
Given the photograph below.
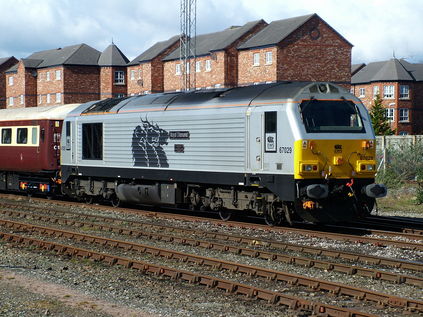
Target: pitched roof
x=217 y=41
x=154 y=51
x=276 y=31
x=356 y=67
x=5 y=59
x=391 y=70
x=80 y=54
x=112 y=56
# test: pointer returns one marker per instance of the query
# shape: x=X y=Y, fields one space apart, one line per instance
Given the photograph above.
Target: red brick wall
x=134 y=87
x=81 y=84
x=108 y=87
x=314 y=52
x=50 y=85
x=3 y=82
x=414 y=103
x=24 y=84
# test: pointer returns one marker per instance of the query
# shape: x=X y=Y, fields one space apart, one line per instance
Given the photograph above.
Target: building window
x=208 y=65
x=48 y=98
x=388 y=92
x=11 y=101
x=119 y=77
x=133 y=72
x=389 y=114
x=40 y=100
x=92 y=141
x=187 y=68
x=269 y=58
x=362 y=92
x=178 y=69
x=403 y=133
x=58 y=75
x=352 y=90
x=403 y=115
x=404 y=92
x=198 y=66
x=58 y=97
x=11 y=81
x=22 y=99
x=375 y=90
x=256 y=59
x=48 y=76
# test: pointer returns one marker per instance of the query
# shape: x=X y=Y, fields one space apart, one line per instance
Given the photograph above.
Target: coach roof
x=37 y=113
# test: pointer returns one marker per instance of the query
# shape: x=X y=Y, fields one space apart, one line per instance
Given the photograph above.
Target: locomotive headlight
x=366 y=166
x=309 y=167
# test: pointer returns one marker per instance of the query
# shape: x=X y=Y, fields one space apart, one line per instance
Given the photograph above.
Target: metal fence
x=393 y=142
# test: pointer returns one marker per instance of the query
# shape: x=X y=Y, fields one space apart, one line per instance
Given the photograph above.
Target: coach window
x=34 y=137
x=6 y=136
x=92 y=141
x=22 y=136
x=270 y=126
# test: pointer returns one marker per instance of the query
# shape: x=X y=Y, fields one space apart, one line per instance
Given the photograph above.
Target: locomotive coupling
x=375 y=190
x=317 y=191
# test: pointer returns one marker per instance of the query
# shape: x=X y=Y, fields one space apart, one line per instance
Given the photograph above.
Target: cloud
x=375 y=28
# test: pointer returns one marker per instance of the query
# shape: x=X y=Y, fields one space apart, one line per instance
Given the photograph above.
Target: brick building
x=216 y=63
x=400 y=85
x=145 y=72
x=113 y=75
x=5 y=64
x=302 y=48
x=59 y=76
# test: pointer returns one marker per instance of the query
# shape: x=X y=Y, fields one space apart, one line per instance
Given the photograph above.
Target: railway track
x=157 y=232
x=230 y=286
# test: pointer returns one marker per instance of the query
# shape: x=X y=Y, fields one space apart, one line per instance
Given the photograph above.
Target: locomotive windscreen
x=324 y=116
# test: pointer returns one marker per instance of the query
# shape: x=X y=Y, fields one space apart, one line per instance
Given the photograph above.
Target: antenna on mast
x=187 y=43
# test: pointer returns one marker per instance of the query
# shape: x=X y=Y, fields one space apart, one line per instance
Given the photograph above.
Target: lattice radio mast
x=187 y=39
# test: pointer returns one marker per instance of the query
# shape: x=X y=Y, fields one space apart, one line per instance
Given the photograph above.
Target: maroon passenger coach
x=30 y=148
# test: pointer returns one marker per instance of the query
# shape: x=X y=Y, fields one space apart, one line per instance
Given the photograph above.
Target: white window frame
x=389 y=92
x=119 y=77
x=178 y=71
x=269 y=58
x=22 y=99
x=11 y=81
x=376 y=90
x=362 y=92
x=208 y=67
x=390 y=114
x=133 y=72
x=11 y=101
x=404 y=115
x=187 y=68
x=47 y=76
x=40 y=99
x=256 y=59
x=48 y=98
x=198 y=66
x=58 y=74
x=58 y=97
x=404 y=92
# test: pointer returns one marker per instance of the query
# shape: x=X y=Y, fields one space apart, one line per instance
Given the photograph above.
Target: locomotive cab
x=335 y=158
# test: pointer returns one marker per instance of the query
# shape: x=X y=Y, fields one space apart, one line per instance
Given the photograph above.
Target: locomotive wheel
x=274 y=216
x=115 y=201
x=225 y=215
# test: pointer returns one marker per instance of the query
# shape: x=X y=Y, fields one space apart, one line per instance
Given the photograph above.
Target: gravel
x=131 y=293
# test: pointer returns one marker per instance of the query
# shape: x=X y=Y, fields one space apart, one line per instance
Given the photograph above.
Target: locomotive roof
x=240 y=96
x=37 y=113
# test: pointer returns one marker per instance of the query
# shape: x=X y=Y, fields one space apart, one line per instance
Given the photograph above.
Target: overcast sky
x=377 y=28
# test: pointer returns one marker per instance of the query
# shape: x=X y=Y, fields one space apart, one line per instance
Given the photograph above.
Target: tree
x=380 y=122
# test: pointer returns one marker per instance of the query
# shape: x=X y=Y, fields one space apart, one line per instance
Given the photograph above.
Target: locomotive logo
x=147 y=142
